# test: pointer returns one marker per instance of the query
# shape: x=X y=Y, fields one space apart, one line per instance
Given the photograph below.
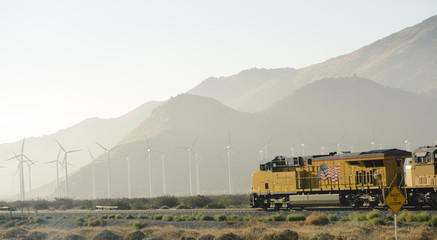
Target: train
x=359 y=179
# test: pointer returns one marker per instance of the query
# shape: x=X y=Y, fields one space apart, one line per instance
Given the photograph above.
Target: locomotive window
x=267 y=186
x=379 y=163
x=368 y=163
x=310 y=161
x=353 y=163
x=435 y=155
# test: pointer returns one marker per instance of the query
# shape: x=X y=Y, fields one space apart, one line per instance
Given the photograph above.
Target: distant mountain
x=80 y=136
x=405 y=60
x=249 y=90
x=330 y=114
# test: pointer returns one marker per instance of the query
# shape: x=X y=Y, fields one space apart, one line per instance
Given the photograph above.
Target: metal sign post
x=395 y=200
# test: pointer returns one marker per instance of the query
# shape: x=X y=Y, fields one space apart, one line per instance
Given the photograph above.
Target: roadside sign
x=395 y=200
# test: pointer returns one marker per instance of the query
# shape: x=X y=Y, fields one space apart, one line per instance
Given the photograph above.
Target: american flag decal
x=326 y=172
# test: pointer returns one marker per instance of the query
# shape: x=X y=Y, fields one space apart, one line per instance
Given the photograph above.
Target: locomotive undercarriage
x=284 y=201
x=419 y=197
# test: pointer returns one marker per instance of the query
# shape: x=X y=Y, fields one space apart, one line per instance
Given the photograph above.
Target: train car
x=345 y=179
x=421 y=177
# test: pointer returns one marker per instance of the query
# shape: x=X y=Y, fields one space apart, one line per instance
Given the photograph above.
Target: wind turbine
x=29 y=167
x=57 y=172
x=93 y=169
x=20 y=157
x=196 y=155
x=302 y=145
x=164 y=182
x=266 y=146
x=129 y=189
x=108 y=152
x=190 y=149
x=149 y=153
x=407 y=145
x=66 y=166
x=228 y=152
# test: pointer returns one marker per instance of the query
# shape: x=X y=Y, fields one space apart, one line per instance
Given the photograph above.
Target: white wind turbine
x=94 y=174
x=29 y=168
x=20 y=159
x=196 y=156
x=190 y=149
x=149 y=153
x=129 y=189
x=164 y=182
x=108 y=152
x=66 y=167
x=228 y=152
x=57 y=162
x=266 y=147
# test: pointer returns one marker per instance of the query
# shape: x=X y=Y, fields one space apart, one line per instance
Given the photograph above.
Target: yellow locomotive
x=347 y=179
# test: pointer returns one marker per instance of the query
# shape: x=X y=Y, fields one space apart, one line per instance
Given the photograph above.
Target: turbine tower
x=129 y=189
x=228 y=152
x=57 y=172
x=164 y=182
x=190 y=149
x=93 y=172
x=66 y=167
x=108 y=152
x=29 y=168
x=196 y=156
x=20 y=159
x=149 y=153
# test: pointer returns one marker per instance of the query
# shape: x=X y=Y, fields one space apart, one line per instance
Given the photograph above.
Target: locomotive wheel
x=278 y=206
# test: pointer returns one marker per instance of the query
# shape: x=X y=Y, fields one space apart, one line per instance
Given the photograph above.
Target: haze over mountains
x=382 y=92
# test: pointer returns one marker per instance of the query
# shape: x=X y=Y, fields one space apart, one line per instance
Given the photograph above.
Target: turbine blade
x=91 y=154
x=60 y=145
x=72 y=151
x=194 y=142
x=101 y=146
x=22 y=146
x=147 y=141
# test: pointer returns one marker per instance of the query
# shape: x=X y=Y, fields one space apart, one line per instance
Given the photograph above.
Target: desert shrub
x=372 y=215
x=129 y=216
x=157 y=217
x=376 y=221
x=168 y=218
x=214 y=206
x=40 y=204
x=357 y=217
x=141 y=216
x=187 y=217
x=15 y=233
x=234 y=217
x=323 y=236
x=317 y=220
x=295 y=217
x=284 y=235
x=2 y=217
x=422 y=217
x=37 y=220
x=220 y=217
x=104 y=216
x=199 y=201
x=433 y=221
x=344 y=219
x=106 y=235
x=229 y=236
x=207 y=237
x=137 y=235
x=37 y=236
x=170 y=201
x=93 y=222
x=63 y=203
x=138 y=225
x=79 y=221
x=276 y=217
x=118 y=216
x=111 y=216
x=205 y=217
x=48 y=217
x=332 y=217
x=183 y=207
x=122 y=204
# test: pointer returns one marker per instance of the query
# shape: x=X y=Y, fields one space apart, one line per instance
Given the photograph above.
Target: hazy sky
x=64 y=61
